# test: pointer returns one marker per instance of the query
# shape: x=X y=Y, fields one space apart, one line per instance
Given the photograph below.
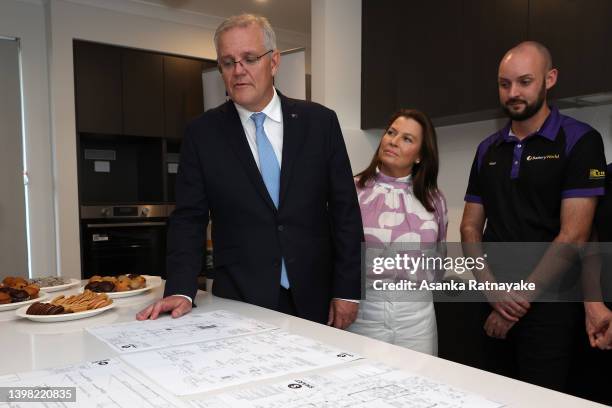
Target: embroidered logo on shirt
x=595 y=174
x=492 y=163
x=546 y=157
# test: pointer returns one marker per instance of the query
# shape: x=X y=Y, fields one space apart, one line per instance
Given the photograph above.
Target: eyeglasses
x=228 y=64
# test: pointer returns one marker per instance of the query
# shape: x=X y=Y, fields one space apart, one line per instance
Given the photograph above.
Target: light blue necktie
x=270 y=172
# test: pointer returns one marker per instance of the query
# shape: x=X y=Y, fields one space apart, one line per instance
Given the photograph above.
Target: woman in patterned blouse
x=401 y=204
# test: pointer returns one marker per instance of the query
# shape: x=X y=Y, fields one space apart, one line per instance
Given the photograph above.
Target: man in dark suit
x=273 y=175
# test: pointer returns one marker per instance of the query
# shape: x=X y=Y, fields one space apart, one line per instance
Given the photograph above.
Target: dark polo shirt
x=521 y=183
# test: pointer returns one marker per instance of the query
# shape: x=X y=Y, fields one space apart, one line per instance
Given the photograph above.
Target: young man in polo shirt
x=535 y=180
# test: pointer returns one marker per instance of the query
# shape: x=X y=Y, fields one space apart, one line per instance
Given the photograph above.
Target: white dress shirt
x=273 y=125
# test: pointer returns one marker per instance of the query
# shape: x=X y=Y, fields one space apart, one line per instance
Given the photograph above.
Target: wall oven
x=124 y=239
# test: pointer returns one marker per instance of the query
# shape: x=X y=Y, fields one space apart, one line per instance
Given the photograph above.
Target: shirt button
x=280 y=228
x=519 y=145
x=516 y=162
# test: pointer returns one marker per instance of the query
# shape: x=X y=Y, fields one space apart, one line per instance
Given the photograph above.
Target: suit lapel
x=240 y=146
x=294 y=135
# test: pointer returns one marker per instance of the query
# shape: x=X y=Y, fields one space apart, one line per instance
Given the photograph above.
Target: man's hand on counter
x=342 y=313
x=177 y=305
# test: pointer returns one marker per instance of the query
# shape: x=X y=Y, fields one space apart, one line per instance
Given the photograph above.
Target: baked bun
x=95 y=278
x=4 y=298
x=109 y=279
x=9 y=280
x=137 y=281
x=122 y=285
x=18 y=283
x=32 y=290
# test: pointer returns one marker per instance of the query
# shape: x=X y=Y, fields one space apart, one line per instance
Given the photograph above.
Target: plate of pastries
x=63 y=308
x=122 y=285
x=16 y=291
x=54 y=283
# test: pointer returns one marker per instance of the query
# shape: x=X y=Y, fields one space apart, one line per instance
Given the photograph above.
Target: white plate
x=152 y=283
x=11 y=306
x=73 y=282
x=21 y=312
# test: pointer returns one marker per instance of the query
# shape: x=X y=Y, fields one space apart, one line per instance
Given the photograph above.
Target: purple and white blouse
x=391 y=214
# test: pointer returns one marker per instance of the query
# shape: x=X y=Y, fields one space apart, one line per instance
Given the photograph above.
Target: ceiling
x=283 y=14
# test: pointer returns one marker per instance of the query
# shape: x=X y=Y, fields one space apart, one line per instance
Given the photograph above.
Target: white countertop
x=28 y=345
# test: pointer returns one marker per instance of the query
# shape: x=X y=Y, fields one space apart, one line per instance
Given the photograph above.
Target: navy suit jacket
x=317 y=228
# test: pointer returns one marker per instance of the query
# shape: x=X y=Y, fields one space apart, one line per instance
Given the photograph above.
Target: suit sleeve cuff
x=186 y=297
x=349 y=300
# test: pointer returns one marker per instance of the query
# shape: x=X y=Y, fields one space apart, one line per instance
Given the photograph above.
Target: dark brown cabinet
x=491 y=28
x=442 y=56
x=183 y=94
x=436 y=36
x=122 y=91
x=579 y=36
x=143 y=93
x=97 y=70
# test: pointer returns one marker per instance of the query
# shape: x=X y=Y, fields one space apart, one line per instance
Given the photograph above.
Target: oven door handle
x=128 y=224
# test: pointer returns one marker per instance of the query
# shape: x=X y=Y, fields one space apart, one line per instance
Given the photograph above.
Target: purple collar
x=549 y=129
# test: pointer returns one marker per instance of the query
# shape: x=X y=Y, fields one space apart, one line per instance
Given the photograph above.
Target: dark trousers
x=285 y=302
x=591 y=372
x=539 y=348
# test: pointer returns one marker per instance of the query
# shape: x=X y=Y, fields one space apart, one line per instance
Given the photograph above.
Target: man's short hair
x=245 y=20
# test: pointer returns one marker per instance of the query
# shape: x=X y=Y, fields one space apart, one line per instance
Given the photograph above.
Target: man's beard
x=530 y=109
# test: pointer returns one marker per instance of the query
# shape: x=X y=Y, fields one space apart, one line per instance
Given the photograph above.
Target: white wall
x=336 y=83
x=26 y=20
x=336 y=72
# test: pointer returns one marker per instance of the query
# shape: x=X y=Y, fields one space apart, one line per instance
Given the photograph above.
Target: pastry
x=95 y=278
x=18 y=295
x=19 y=283
x=48 y=281
x=87 y=300
x=38 y=308
x=32 y=290
x=137 y=281
x=100 y=286
x=4 y=298
x=9 y=280
x=123 y=285
x=109 y=279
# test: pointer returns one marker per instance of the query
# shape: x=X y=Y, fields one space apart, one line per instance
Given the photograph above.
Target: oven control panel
x=125 y=211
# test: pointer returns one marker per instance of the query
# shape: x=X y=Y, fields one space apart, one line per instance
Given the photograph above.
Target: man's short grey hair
x=245 y=20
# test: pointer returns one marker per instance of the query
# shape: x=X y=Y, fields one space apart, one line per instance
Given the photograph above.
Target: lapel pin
x=294 y=115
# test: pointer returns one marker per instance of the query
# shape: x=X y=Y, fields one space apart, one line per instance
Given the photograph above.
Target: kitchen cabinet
x=378 y=76
x=97 y=73
x=503 y=22
x=143 y=93
x=579 y=36
x=123 y=91
x=183 y=94
x=442 y=56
